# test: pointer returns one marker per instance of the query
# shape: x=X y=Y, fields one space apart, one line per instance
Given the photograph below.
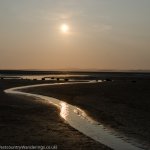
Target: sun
x=64 y=28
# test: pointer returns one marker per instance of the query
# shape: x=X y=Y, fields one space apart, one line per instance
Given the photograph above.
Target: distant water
x=47 y=77
x=73 y=75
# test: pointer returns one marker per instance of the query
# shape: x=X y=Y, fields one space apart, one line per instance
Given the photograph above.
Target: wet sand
x=121 y=105
x=31 y=121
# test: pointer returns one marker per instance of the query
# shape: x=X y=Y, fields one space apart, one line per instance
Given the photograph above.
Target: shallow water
x=48 y=77
x=78 y=119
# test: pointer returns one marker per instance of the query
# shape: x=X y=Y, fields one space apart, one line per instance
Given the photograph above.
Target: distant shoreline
x=5 y=71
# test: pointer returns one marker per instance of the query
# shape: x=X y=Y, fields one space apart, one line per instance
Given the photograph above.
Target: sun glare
x=64 y=28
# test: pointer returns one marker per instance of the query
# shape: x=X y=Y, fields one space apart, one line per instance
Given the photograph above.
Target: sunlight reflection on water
x=64 y=112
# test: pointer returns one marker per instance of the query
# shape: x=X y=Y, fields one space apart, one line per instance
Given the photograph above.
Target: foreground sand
x=30 y=121
x=122 y=105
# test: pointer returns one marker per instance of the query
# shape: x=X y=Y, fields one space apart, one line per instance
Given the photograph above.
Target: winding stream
x=78 y=119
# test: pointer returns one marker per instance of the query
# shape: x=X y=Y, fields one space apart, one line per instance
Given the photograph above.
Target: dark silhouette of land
x=120 y=102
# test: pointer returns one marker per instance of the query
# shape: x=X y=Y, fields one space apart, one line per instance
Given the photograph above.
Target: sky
x=101 y=34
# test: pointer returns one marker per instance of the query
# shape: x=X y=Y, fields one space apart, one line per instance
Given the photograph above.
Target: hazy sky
x=103 y=34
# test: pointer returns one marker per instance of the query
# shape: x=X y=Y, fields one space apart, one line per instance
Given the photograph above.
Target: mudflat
x=123 y=105
x=31 y=121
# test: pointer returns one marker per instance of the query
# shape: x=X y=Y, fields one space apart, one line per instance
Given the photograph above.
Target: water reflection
x=64 y=110
x=80 y=113
x=50 y=76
